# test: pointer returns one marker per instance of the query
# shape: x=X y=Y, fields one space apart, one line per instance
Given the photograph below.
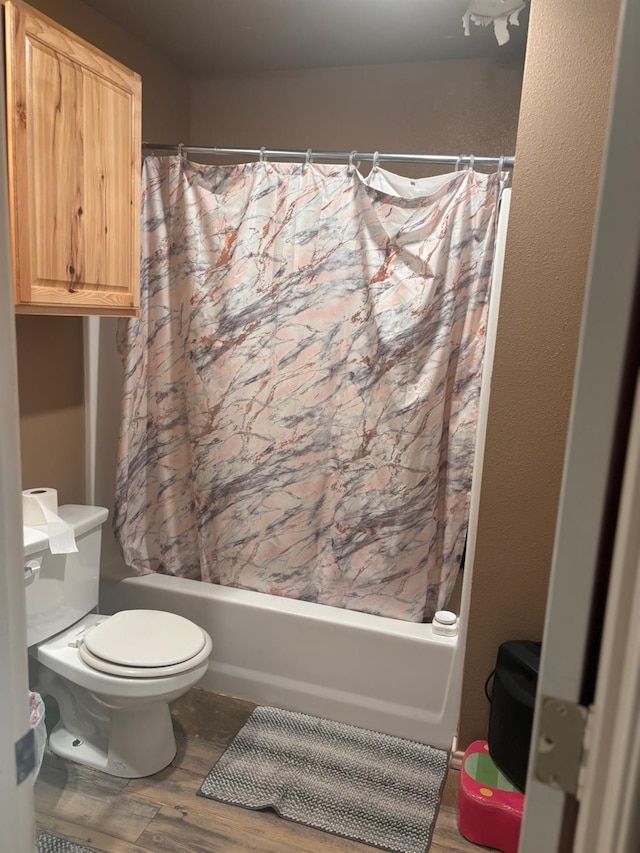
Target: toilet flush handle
x=31 y=570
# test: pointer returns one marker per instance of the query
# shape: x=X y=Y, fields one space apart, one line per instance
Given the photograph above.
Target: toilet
x=113 y=677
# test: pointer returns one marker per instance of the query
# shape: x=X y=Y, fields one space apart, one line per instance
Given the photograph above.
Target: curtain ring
x=263 y=158
x=352 y=166
x=181 y=151
x=472 y=160
x=376 y=157
x=502 y=175
x=308 y=160
x=458 y=162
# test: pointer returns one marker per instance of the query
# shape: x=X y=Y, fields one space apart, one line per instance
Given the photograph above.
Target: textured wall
x=561 y=135
x=50 y=359
x=332 y=108
x=50 y=381
x=461 y=107
x=165 y=88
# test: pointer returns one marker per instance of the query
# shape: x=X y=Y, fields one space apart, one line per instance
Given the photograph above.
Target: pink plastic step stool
x=489 y=808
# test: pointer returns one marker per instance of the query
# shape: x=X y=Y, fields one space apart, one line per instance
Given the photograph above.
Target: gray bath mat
x=48 y=843
x=362 y=785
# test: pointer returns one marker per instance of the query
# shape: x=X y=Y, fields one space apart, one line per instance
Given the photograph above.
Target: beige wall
x=50 y=348
x=50 y=379
x=165 y=88
x=560 y=142
x=465 y=107
x=461 y=107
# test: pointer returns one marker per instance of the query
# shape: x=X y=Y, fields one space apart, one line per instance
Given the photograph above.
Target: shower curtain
x=301 y=388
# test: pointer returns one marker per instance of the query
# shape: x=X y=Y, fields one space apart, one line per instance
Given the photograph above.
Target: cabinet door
x=74 y=171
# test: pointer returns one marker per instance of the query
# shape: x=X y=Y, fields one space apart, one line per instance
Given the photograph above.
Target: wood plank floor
x=162 y=813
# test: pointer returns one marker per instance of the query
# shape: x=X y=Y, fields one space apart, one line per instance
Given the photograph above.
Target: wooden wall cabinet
x=74 y=136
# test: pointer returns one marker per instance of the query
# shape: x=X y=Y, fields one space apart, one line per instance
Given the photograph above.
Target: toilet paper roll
x=34 y=504
x=40 y=509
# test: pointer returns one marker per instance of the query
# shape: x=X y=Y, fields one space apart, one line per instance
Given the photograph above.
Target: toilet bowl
x=112 y=677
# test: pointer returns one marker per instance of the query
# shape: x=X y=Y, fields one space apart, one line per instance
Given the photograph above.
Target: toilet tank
x=65 y=588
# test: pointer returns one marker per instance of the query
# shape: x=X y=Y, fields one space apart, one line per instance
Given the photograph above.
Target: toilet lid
x=146 y=671
x=145 y=638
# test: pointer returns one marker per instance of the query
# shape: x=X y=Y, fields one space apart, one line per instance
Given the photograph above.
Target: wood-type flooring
x=162 y=813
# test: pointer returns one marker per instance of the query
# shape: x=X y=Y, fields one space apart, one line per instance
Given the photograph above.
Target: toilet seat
x=144 y=644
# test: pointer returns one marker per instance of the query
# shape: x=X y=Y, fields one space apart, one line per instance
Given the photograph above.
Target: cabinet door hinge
x=563 y=744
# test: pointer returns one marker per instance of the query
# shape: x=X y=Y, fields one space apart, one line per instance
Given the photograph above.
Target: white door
x=594 y=517
x=16 y=793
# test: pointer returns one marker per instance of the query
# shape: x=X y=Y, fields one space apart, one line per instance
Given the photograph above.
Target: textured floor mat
x=363 y=785
x=48 y=843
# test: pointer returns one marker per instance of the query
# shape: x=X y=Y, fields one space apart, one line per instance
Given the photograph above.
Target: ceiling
x=207 y=37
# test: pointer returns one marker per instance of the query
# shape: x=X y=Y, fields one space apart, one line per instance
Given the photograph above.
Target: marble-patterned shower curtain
x=301 y=388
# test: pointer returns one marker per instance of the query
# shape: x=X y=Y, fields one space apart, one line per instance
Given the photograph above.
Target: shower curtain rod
x=446 y=159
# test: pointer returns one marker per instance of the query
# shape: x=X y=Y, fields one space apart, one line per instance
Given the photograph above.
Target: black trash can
x=512 y=700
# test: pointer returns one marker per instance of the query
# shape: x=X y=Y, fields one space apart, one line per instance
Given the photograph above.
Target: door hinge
x=563 y=744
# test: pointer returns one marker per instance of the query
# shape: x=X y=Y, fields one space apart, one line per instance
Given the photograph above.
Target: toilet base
x=133 y=740
x=136 y=747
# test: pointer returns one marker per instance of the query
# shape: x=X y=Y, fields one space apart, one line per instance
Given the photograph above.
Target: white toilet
x=112 y=676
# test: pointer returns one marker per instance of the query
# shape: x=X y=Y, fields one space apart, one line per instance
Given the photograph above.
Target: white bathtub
x=370 y=671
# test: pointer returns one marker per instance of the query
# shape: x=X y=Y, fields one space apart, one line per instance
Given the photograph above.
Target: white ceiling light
x=500 y=13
